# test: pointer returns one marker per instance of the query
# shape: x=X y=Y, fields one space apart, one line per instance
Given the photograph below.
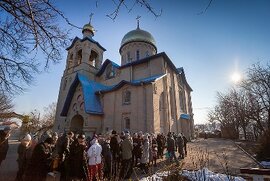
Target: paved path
x=219 y=155
x=9 y=166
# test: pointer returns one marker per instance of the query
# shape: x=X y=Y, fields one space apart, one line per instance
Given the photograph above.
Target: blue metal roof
x=104 y=65
x=134 y=83
x=185 y=116
x=92 y=103
x=91 y=89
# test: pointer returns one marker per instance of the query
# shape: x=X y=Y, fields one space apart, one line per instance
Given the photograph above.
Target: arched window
x=79 y=98
x=147 y=53
x=162 y=112
x=127 y=123
x=126 y=97
x=82 y=106
x=172 y=104
x=161 y=101
x=137 y=55
x=110 y=72
x=79 y=57
x=182 y=98
x=93 y=58
x=70 y=61
x=65 y=83
x=128 y=57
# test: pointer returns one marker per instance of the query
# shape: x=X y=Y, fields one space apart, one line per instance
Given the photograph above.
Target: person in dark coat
x=171 y=148
x=24 y=156
x=77 y=161
x=180 y=145
x=159 y=146
x=40 y=161
x=154 y=150
x=137 y=151
x=62 y=149
x=107 y=155
x=115 y=148
x=126 y=164
x=185 y=143
x=4 y=135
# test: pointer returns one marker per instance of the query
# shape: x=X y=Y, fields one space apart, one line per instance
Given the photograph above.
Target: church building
x=145 y=93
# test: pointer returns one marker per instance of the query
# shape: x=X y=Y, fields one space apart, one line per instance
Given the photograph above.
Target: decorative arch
x=110 y=71
x=93 y=58
x=76 y=124
x=79 y=57
x=70 y=60
x=126 y=97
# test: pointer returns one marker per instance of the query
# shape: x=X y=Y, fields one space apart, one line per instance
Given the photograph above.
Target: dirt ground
x=219 y=155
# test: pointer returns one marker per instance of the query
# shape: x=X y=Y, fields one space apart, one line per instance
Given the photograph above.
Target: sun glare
x=236 y=77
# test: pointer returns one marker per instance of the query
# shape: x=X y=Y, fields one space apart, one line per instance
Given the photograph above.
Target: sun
x=236 y=77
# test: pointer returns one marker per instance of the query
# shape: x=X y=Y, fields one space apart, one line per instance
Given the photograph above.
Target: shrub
x=263 y=152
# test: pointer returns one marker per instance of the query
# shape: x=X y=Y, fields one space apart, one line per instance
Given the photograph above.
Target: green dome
x=138 y=35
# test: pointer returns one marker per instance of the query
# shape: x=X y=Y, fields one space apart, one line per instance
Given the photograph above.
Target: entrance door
x=76 y=124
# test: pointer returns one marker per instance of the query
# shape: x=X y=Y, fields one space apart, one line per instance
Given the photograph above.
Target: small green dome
x=88 y=27
x=138 y=35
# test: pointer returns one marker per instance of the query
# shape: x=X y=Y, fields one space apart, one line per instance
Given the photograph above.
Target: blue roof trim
x=134 y=83
x=185 y=116
x=92 y=103
x=104 y=65
x=82 y=40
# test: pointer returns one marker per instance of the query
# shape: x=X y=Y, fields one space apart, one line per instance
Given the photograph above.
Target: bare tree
x=240 y=105
x=247 y=107
x=257 y=84
x=28 y=28
x=49 y=115
x=6 y=104
x=224 y=114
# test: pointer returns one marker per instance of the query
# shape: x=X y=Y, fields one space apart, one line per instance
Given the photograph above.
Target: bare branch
x=142 y=3
x=207 y=7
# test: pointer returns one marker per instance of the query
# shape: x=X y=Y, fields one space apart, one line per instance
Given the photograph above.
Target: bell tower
x=85 y=57
x=84 y=54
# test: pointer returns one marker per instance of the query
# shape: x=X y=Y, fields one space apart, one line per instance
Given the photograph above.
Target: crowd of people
x=102 y=157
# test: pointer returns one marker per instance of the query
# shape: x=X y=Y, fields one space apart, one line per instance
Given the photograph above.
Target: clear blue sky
x=230 y=36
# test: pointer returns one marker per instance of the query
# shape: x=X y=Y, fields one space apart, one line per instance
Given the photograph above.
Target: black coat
x=115 y=147
x=170 y=144
x=77 y=161
x=39 y=164
x=3 y=145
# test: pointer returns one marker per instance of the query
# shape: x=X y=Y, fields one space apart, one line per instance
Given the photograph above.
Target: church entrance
x=76 y=124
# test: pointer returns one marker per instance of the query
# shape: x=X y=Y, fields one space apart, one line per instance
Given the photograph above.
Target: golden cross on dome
x=91 y=16
x=138 y=21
